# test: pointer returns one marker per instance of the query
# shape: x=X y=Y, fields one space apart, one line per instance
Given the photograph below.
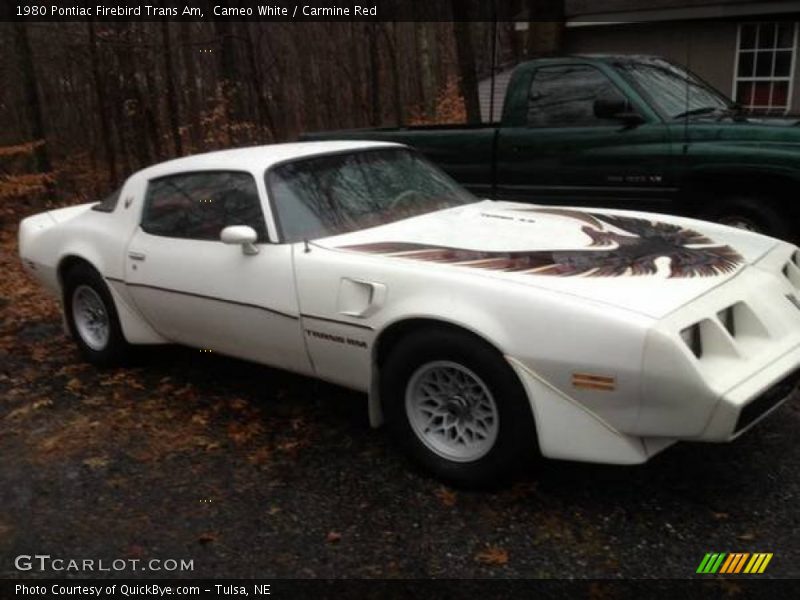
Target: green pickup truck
x=626 y=131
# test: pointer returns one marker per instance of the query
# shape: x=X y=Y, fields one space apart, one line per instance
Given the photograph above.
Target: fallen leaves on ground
x=446 y=496
x=96 y=462
x=261 y=456
x=333 y=537
x=28 y=408
x=207 y=537
x=64 y=409
x=492 y=555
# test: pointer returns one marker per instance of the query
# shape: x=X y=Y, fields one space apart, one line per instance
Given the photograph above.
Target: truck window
x=564 y=96
x=672 y=88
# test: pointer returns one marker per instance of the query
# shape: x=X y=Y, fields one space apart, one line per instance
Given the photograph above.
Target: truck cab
x=635 y=132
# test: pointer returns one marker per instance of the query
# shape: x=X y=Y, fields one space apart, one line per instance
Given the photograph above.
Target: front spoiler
x=747 y=404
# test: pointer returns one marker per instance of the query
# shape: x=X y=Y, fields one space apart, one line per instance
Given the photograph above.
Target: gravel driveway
x=250 y=471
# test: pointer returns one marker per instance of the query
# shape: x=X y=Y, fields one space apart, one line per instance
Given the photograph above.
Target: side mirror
x=243 y=235
x=613 y=105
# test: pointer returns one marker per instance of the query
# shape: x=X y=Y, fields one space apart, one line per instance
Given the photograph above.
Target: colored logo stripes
x=734 y=563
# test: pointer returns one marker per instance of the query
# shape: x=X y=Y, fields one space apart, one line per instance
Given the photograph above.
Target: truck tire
x=92 y=317
x=456 y=407
x=752 y=213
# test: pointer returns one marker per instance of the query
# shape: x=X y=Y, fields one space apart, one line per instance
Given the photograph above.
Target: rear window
x=109 y=203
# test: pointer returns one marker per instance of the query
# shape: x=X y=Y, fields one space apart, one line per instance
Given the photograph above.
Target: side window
x=564 y=96
x=200 y=205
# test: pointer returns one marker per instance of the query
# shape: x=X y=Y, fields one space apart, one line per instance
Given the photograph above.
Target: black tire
x=516 y=436
x=753 y=213
x=116 y=350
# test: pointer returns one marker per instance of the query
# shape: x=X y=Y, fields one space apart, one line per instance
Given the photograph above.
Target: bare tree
x=106 y=136
x=468 y=80
x=31 y=93
x=172 y=98
x=116 y=96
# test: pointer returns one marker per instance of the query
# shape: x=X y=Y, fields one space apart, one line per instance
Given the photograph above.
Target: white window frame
x=771 y=78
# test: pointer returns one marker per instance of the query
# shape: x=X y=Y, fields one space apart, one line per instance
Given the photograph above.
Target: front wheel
x=92 y=317
x=456 y=407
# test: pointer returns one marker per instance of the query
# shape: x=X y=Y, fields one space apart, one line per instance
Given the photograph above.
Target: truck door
x=561 y=152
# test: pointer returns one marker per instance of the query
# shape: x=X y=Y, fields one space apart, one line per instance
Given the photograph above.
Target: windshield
x=338 y=193
x=675 y=91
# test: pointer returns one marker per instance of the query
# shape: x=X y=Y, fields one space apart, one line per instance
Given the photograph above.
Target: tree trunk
x=133 y=107
x=545 y=27
x=229 y=76
x=31 y=93
x=172 y=98
x=192 y=115
x=149 y=94
x=102 y=108
x=263 y=114
x=397 y=97
x=468 y=81
x=513 y=41
x=376 y=115
x=429 y=87
x=353 y=69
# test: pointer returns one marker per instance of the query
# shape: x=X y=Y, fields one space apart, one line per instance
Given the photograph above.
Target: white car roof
x=254 y=159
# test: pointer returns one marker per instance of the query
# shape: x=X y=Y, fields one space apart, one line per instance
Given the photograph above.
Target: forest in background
x=87 y=103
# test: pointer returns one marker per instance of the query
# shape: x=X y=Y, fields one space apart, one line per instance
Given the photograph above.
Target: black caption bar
x=317 y=589
x=280 y=10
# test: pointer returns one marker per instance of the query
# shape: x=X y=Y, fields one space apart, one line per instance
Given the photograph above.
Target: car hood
x=648 y=263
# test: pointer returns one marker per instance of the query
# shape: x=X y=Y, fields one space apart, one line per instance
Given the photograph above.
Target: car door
x=564 y=153
x=198 y=291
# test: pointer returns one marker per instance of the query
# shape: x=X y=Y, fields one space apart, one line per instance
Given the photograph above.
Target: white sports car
x=479 y=329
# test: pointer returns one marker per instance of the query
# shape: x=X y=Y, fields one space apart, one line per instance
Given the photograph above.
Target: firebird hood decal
x=610 y=253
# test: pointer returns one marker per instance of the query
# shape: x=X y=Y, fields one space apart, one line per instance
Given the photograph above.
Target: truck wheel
x=752 y=213
x=92 y=317
x=456 y=407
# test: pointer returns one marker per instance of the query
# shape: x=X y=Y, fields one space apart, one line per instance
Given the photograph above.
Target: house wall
x=707 y=47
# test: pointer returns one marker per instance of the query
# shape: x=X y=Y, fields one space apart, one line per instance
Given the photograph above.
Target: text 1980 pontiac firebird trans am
x=480 y=330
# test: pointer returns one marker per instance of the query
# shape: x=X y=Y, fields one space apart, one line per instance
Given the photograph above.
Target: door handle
x=136 y=255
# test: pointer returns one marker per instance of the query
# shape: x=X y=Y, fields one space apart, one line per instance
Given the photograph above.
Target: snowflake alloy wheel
x=452 y=411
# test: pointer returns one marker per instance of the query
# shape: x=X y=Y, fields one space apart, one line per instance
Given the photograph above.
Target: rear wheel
x=92 y=317
x=456 y=407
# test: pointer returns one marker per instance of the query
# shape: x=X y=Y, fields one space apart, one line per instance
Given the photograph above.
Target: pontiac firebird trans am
x=480 y=330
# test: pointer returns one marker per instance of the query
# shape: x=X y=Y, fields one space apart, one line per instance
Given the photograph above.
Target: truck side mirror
x=613 y=105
